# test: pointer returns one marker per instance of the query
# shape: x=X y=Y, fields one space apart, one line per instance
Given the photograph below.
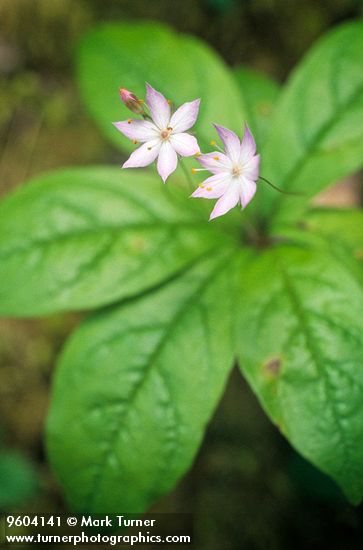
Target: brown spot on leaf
x=137 y=244
x=358 y=253
x=273 y=366
x=264 y=108
x=303 y=225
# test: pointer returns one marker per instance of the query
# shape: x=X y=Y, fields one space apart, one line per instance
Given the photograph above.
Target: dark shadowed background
x=248 y=488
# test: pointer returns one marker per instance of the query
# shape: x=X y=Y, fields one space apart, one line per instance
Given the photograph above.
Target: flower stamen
x=215 y=144
x=166 y=133
x=236 y=171
x=195 y=170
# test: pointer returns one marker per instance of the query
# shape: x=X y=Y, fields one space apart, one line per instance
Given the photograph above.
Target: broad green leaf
x=259 y=95
x=337 y=231
x=316 y=136
x=18 y=480
x=301 y=348
x=81 y=238
x=135 y=388
x=344 y=226
x=182 y=67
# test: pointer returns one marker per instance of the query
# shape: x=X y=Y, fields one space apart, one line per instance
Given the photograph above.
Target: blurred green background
x=247 y=488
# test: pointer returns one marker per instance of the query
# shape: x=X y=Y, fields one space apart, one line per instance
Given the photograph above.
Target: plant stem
x=278 y=189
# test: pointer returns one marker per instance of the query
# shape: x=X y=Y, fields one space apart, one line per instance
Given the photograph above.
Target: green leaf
x=82 y=238
x=18 y=482
x=317 y=131
x=337 y=231
x=182 y=67
x=344 y=226
x=259 y=95
x=135 y=388
x=300 y=347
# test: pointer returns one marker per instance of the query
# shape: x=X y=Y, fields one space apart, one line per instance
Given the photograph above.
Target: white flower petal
x=247 y=189
x=185 y=117
x=231 y=142
x=251 y=168
x=159 y=107
x=248 y=145
x=213 y=187
x=184 y=144
x=215 y=162
x=140 y=130
x=144 y=155
x=229 y=200
x=167 y=161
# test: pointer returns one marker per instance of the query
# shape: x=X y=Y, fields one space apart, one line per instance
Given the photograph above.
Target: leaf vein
x=114 y=434
x=315 y=355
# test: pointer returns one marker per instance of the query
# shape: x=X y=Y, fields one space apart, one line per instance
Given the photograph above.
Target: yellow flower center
x=236 y=171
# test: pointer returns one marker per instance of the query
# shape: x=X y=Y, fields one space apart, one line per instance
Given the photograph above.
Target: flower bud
x=132 y=102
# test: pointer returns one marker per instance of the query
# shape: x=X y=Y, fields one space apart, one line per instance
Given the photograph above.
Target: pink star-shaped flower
x=235 y=172
x=163 y=134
